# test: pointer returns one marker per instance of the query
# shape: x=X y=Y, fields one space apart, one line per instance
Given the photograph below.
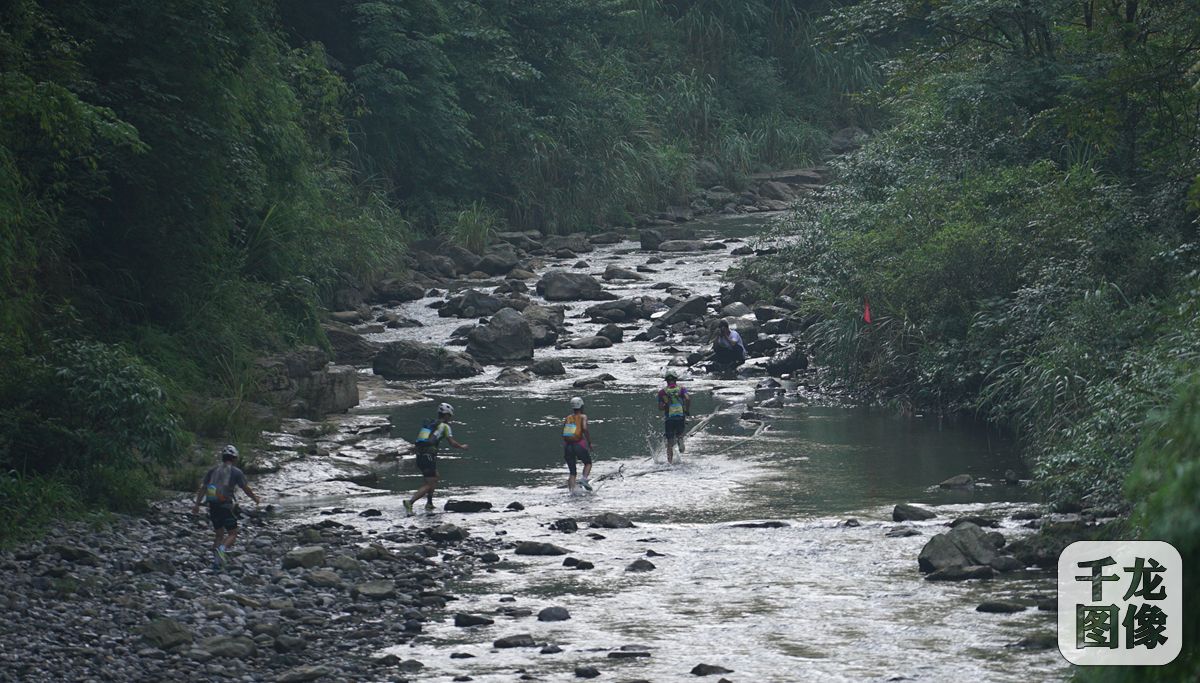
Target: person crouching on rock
x=577 y=443
x=728 y=349
x=676 y=404
x=431 y=434
x=218 y=489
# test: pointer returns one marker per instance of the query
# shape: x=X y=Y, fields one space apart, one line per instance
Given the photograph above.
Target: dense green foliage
x=1025 y=227
x=184 y=183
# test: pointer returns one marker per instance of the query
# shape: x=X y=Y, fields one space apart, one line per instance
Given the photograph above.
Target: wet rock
x=461 y=655
x=349 y=347
x=374 y=552
x=519 y=640
x=537 y=548
x=516 y=506
x=1043 y=549
x=1012 y=478
x=463 y=620
x=414 y=360
x=964 y=545
x=306 y=557
x=611 y=520
x=448 y=533
x=550 y=650
x=513 y=376
x=489 y=558
x=567 y=526
x=589 y=343
x=978 y=521
x=570 y=561
x=554 y=614
x=768 y=524
x=305 y=673
x=709 y=669
x=370 y=512
x=548 y=367
x=735 y=310
x=902 y=532
x=905 y=512
x=586 y=672
x=166 y=633
x=640 y=565
x=1026 y=514
x=379 y=589
x=615 y=272
x=467 y=506
x=498 y=261
x=584 y=564
x=960 y=573
x=957 y=481
x=396 y=290
x=787 y=362
x=851 y=523
x=652 y=238
x=683 y=245
x=1000 y=607
x=507 y=336
x=629 y=359
x=561 y=285
x=628 y=654
x=1006 y=563
x=593 y=382
x=612 y=333
x=472 y=303
x=686 y=310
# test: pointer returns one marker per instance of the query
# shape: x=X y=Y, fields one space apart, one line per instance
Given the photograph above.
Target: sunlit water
x=812 y=600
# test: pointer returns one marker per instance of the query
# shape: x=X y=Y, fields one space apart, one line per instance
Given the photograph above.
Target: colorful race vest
x=674 y=397
x=572 y=428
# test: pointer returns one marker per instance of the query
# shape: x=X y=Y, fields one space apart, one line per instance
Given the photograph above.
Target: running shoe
x=222 y=556
x=408 y=508
x=429 y=507
x=585 y=484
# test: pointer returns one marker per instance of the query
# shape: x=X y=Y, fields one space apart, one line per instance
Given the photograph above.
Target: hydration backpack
x=219 y=491
x=572 y=431
x=425 y=435
x=674 y=396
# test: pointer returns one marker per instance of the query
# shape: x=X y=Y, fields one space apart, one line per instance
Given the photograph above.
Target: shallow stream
x=813 y=598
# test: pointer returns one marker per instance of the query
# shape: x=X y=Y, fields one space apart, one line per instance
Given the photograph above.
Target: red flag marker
x=866 y=311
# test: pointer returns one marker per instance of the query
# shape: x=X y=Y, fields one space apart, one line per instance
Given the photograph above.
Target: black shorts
x=575 y=451
x=427 y=463
x=675 y=428
x=222 y=517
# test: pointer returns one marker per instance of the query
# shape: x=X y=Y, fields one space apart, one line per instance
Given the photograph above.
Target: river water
x=811 y=598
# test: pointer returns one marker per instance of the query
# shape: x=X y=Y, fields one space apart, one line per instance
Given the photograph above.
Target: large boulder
x=787 y=362
x=464 y=259
x=623 y=310
x=904 y=512
x=415 y=360
x=562 y=285
x=548 y=367
x=615 y=272
x=683 y=245
x=396 y=290
x=520 y=240
x=499 y=260
x=575 y=242
x=349 y=347
x=545 y=322
x=965 y=545
x=652 y=238
x=685 y=310
x=589 y=343
x=507 y=336
x=472 y=303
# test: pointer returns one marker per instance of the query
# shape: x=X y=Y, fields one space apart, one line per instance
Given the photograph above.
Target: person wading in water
x=431 y=434
x=577 y=444
x=675 y=404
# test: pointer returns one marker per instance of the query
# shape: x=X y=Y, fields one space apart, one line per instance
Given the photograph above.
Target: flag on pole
x=866 y=311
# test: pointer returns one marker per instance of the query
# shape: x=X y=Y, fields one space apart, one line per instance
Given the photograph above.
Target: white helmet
x=229 y=451
x=445 y=409
x=576 y=403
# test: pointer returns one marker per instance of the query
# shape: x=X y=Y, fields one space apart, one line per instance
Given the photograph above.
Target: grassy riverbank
x=1024 y=229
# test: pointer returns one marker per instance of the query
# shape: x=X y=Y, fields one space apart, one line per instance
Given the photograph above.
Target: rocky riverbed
x=784 y=543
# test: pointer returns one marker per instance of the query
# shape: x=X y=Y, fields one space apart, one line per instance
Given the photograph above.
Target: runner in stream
x=431 y=434
x=676 y=404
x=577 y=444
